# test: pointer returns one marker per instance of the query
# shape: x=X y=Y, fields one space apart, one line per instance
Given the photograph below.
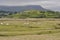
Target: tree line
x=30 y=14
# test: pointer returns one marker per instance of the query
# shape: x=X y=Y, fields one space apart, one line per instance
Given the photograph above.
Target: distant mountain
x=21 y=8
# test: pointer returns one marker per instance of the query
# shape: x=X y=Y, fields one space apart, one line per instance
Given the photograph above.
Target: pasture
x=30 y=29
x=14 y=27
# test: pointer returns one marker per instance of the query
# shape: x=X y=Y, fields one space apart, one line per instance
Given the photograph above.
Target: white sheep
x=7 y=23
x=1 y=23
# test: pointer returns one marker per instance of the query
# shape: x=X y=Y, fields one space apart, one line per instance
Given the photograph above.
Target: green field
x=15 y=27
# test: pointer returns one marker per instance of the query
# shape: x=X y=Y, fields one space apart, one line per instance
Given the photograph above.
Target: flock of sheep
x=2 y=23
x=26 y=23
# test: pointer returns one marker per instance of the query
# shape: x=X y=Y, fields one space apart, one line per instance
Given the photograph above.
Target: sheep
x=1 y=23
x=4 y=23
x=7 y=23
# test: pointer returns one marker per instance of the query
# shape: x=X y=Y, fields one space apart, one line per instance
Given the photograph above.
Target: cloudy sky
x=49 y=4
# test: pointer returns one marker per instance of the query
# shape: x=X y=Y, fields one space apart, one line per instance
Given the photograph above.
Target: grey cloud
x=49 y=4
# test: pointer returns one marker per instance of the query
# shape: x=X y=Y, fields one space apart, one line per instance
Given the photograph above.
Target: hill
x=21 y=8
x=30 y=14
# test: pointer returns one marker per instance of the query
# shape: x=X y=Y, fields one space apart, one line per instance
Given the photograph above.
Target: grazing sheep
x=1 y=23
x=7 y=23
x=4 y=23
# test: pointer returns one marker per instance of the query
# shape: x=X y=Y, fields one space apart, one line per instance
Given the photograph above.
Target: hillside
x=21 y=8
x=30 y=14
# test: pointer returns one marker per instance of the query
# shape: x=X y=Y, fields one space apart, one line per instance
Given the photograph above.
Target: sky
x=48 y=4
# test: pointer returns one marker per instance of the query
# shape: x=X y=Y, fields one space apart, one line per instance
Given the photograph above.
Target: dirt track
x=33 y=37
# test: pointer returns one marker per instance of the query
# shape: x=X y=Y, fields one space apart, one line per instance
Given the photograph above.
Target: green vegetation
x=33 y=26
x=30 y=14
x=37 y=14
x=29 y=27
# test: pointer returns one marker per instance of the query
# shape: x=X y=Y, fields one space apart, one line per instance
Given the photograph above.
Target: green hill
x=30 y=14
